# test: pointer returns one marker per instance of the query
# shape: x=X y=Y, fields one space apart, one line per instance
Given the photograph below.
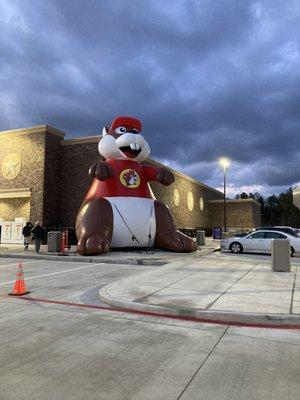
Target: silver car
x=259 y=242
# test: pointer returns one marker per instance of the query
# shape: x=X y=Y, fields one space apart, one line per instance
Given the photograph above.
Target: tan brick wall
x=75 y=180
x=12 y=208
x=239 y=214
x=52 y=195
x=183 y=217
x=31 y=150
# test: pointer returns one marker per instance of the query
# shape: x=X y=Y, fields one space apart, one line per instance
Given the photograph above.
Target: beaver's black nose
x=135 y=131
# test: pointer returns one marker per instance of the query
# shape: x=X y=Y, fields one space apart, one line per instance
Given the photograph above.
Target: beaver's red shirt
x=130 y=179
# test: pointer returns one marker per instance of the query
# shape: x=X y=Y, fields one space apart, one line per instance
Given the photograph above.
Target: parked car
x=259 y=242
x=286 y=229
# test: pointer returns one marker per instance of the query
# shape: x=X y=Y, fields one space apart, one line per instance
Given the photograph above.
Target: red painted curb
x=161 y=315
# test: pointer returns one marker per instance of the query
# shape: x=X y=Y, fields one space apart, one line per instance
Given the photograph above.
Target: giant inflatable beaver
x=119 y=209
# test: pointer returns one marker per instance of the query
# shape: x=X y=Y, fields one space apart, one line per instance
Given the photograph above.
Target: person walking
x=26 y=232
x=37 y=235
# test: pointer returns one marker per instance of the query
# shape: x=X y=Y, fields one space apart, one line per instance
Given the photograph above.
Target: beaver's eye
x=120 y=130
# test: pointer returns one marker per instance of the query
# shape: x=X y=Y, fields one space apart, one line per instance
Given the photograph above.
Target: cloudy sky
x=207 y=79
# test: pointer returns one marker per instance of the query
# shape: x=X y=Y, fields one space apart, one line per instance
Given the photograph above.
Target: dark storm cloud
x=207 y=78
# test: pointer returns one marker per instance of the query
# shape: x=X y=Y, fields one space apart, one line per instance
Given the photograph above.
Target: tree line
x=276 y=210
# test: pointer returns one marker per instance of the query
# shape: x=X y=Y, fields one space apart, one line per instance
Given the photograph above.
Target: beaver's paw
x=188 y=244
x=170 y=241
x=93 y=245
x=165 y=176
x=100 y=170
x=177 y=241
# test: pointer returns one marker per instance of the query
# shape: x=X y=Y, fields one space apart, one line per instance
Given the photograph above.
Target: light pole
x=225 y=163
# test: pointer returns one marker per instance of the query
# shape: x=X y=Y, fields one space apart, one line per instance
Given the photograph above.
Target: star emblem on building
x=11 y=166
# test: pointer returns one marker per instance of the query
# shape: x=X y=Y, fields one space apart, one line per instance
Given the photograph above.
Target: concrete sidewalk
x=131 y=257
x=215 y=288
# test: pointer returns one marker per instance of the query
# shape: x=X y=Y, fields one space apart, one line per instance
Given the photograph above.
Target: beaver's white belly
x=134 y=222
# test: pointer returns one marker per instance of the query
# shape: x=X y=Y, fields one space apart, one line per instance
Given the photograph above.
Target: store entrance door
x=14 y=212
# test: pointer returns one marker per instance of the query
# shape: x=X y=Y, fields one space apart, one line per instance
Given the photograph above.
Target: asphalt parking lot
x=69 y=345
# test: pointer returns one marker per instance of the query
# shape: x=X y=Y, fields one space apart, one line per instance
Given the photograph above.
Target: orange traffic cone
x=19 y=286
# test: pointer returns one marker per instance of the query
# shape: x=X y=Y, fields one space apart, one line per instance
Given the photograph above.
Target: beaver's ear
x=104 y=131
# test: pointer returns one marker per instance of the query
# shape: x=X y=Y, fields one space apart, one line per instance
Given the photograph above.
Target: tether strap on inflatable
x=150 y=236
x=133 y=237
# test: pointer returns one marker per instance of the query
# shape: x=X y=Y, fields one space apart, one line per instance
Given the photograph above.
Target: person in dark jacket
x=26 y=232
x=37 y=235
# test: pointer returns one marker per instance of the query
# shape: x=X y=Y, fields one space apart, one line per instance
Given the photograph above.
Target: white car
x=259 y=242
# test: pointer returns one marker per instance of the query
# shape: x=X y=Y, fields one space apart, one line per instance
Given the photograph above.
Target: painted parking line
x=24 y=262
x=55 y=273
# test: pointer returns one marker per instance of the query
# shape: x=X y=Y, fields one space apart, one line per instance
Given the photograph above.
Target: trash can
x=54 y=241
x=281 y=255
x=200 y=238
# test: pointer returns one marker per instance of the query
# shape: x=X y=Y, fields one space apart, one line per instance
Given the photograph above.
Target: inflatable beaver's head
x=124 y=141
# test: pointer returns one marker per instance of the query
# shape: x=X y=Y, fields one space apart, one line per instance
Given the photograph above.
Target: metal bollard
x=281 y=255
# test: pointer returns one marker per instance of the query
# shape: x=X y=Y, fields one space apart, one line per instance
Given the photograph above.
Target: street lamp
x=225 y=164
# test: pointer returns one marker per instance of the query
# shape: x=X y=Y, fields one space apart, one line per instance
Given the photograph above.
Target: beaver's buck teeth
x=134 y=146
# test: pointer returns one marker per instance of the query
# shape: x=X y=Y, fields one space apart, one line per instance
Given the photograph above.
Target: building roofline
x=182 y=175
x=251 y=200
x=33 y=129
x=81 y=140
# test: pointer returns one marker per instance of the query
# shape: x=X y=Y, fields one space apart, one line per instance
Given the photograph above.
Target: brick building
x=240 y=213
x=45 y=177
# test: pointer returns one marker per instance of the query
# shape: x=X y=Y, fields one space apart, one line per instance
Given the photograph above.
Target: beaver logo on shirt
x=130 y=178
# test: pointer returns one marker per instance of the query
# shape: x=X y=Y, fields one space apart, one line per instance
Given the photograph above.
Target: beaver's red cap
x=131 y=121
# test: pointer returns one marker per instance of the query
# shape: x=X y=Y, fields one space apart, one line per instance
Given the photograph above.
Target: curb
x=259 y=320
x=82 y=259
x=97 y=259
